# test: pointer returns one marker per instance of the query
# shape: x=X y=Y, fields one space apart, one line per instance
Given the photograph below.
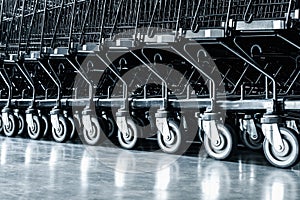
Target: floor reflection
x=39 y=169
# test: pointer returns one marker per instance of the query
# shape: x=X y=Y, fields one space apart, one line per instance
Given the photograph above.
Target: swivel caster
x=92 y=135
x=36 y=129
x=253 y=143
x=288 y=155
x=129 y=140
x=224 y=147
x=60 y=132
x=22 y=124
x=174 y=142
x=10 y=127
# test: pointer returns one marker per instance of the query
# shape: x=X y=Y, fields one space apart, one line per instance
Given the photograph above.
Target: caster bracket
x=272 y=133
x=121 y=116
x=248 y=125
x=162 y=123
x=210 y=128
x=5 y=119
x=29 y=117
x=55 y=121
x=87 y=122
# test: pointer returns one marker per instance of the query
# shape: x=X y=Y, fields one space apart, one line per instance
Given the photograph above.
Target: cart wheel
x=61 y=134
x=253 y=144
x=289 y=156
x=130 y=140
x=1 y=124
x=72 y=128
x=226 y=146
x=78 y=126
x=95 y=137
x=112 y=128
x=175 y=143
x=35 y=132
x=11 y=130
x=22 y=124
x=46 y=125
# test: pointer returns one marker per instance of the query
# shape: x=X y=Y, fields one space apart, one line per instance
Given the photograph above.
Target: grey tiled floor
x=46 y=170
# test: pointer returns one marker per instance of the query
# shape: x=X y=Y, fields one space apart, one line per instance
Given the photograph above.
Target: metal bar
x=102 y=23
x=21 y=27
x=43 y=26
x=164 y=85
x=138 y=15
x=1 y=15
x=228 y=17
x=288 y=15
x=31 y=25
x=72 y=26
x=194 y=25
x=8 y=83
x=11 y=24
x=152 y=19
x=85 y=78
x=84 y=21
x=178 y=20
x=116 y=19
x=57 y=23
x=29 y=80
x=125 y=90
x=54 y=78
x=253 y=64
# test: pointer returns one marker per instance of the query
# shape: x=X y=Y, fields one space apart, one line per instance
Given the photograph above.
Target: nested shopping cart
x=166 y=69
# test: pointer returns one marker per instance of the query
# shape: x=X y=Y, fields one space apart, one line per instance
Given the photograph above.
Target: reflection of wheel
x=11 y=129
x=225 y=146
x=61 y=134
x=94 y=137
x=35 y=132
x=175 y=142
x=290 y=154
x=130 y=139
x=22 y=124
x=251 y=143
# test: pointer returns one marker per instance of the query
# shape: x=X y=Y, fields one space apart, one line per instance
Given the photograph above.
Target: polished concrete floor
x=46 y=170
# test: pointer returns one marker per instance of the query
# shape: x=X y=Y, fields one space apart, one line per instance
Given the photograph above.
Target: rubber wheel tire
x=1 y=125
x=72 y=128
x=252 y=144
x=130 y=141
x=112 y=127
x=11 y=130
x=62 y=135
x=176 y=144
x=46 y=125
x=22 y=124
x=290 y=156
x=95 y=138
x=111 y=130
x=35 y=132
x=227 y=146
